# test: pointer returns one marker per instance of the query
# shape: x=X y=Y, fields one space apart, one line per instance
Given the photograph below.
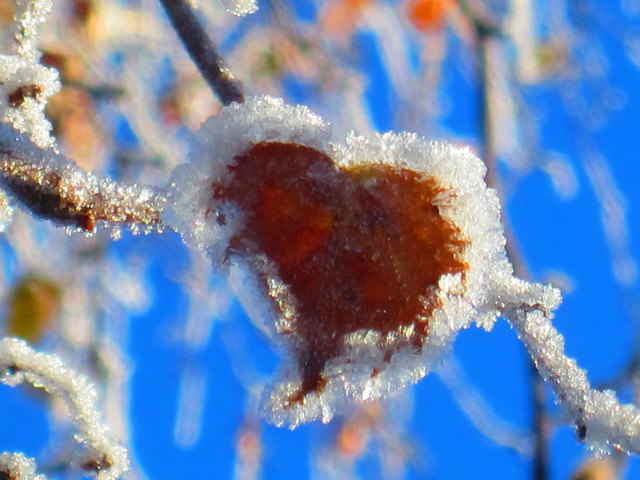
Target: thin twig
x=541 y=425
x=203 y=52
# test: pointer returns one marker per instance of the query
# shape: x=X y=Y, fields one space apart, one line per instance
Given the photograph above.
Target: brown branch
x=203 y=52
x=54 y=187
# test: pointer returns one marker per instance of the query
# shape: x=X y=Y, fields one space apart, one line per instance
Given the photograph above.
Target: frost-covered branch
x=203 y=52
x=102 y=454
x=54 y=187
x=601 y=422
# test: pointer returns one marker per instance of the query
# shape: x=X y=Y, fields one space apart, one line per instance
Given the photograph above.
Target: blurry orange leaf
x=71 y=66
x=72 y=112
x=341 y=16
x=428 y=15
x=352 y=439
x=597 y=469
x=32 y=306
x=6 y=13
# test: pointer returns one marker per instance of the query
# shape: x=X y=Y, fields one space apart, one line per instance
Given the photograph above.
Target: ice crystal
x=29 y=16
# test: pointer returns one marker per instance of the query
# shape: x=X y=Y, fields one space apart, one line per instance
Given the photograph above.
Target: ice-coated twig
x=101 y=453
x=54 y=187
x=601 y=421
x=203 y=52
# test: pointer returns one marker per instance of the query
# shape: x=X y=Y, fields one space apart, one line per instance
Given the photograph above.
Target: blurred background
x=547 y=94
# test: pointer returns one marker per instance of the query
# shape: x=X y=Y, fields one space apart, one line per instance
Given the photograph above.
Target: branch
x=54 y=187
x=203 y=52
x=20 y=363
x=601 y=422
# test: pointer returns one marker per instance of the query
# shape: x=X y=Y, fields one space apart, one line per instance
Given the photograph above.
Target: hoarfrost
x=6 y=212
x=101 y=453
x=601 y=422
x=24 y=89
x=221 y=138
x=25 y=84
x=29 y=16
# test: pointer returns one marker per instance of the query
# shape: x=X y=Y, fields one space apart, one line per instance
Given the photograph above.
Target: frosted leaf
x=364 y=259
x=239 y=7
x=101 y=454
x=17 y=466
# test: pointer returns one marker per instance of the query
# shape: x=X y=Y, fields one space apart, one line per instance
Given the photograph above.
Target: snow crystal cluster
x=25 y=87
x=101 y=453
x=601 y=422
x=17 y=466
x=239 y=7
x=476 y=295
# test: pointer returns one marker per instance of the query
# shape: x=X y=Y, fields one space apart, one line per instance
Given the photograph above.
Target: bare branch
x=54 y=187
x=203 y=52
